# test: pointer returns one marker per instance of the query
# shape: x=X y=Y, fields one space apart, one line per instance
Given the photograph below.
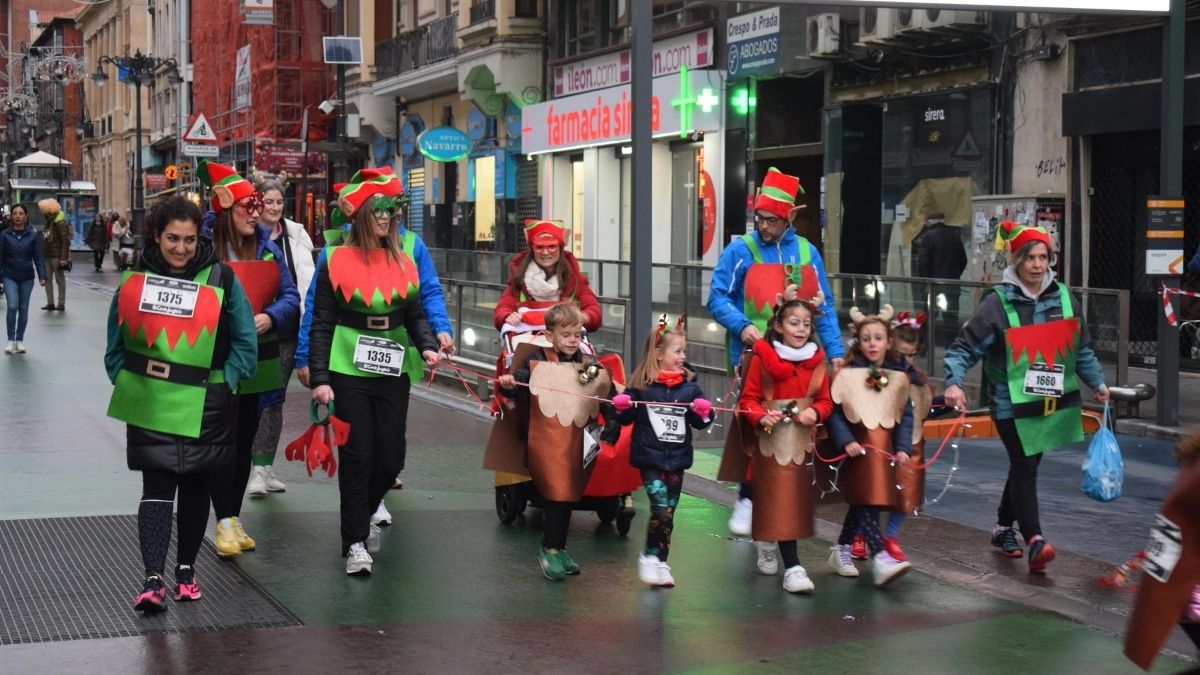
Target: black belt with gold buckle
x=178 y=373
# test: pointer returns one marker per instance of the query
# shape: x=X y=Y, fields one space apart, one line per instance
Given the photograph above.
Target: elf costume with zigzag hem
x=174 y=375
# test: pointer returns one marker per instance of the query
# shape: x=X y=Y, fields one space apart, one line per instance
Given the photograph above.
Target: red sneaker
x=892 y=546
x=858 y=549
x=1040 y=554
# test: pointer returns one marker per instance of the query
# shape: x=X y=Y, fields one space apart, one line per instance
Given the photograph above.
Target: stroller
x=612 y=481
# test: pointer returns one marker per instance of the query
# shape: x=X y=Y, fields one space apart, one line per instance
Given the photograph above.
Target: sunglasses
x=252 y=204
x=383 y=207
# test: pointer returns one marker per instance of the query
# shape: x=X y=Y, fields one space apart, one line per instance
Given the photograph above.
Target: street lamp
x=138 y=69
x=340 y=159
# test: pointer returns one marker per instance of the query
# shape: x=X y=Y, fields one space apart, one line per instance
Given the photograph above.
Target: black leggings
x=229 y=483
x=154 y=517
x=864 y=520
x=556 y=519
x=376 y=408
x=1019 y=501
x=98 y=257
x=663 y=488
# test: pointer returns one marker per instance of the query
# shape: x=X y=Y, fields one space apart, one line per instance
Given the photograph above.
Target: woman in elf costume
x=542 y=276
x=180 y=341
x=1035 y=346
x=262 y=269
x=367 y=342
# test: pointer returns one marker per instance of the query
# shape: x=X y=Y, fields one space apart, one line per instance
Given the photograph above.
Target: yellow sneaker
x=227 y=539
x=243 y=539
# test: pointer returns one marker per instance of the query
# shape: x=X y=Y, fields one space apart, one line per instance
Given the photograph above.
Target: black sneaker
x=1005 y=539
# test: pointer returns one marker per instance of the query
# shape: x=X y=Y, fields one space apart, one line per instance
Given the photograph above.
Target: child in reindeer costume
x=873 y=417
x=785 y=395
x=557 y=409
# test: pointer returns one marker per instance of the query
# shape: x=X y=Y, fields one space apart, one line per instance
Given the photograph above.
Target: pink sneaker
x=153 y=597
x=186 y=588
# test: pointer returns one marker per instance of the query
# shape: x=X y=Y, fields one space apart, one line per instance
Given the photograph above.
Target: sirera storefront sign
x=753 y=43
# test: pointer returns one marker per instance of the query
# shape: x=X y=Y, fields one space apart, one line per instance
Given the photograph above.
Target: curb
x=1140 y=427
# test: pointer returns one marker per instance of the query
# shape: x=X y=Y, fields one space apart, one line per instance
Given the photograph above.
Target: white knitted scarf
x=540 y=287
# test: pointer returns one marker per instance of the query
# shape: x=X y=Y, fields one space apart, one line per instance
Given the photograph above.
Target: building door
x=485 y=201
x=577 y=183
x=686 y=225
x=626 y=165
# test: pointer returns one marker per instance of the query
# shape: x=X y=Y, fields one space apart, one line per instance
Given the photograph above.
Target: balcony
x=432 y=43
x=482 y=15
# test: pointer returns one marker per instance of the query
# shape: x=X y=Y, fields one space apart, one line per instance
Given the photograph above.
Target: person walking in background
x=20 y=258
x=57 y=235
x=297 y=248
x=122 y=241
x=938 y=253
x=97 y=239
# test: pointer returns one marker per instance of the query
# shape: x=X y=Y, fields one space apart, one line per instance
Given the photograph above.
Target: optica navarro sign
x=444 y=144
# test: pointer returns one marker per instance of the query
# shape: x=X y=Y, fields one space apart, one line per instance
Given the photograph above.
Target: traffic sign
x=200 y=131
x=201 y=150
x=172 y=172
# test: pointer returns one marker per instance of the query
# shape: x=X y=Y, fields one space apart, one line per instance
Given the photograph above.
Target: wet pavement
x=456 y=591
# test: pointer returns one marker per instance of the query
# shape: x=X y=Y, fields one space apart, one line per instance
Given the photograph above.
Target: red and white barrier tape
x=1168 y=310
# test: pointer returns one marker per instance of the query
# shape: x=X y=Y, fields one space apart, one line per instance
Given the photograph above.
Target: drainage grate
x=75 y=579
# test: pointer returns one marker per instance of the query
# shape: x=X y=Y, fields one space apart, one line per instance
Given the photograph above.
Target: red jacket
x=788 y=380
x=576 y=289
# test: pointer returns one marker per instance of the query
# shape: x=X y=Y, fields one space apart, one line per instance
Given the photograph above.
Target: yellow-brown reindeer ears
x=791 y=292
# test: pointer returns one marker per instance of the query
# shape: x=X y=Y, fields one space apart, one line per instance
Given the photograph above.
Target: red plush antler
x=315 y=446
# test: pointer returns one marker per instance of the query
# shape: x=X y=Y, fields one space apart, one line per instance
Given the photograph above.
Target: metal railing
x=434 y=42
x=684 y=289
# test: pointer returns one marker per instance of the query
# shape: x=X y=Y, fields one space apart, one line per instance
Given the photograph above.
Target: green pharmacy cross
x=742 y=101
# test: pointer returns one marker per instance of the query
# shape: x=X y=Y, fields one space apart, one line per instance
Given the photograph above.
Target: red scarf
x=670 y=379
x=782 y=369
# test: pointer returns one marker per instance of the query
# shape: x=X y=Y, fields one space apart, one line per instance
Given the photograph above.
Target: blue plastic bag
x=1103 y=468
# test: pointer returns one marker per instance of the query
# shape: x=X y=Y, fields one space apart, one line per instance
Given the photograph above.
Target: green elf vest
x=1042 y=365
x=168 y=359
x=260 y=280
x=764 y=280
x=371 y=290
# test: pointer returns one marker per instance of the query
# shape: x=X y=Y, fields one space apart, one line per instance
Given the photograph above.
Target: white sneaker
x=358 y=561
x=273 y=483
x=373 y=539
x=10 y=348
x=887 y=569
x=20 y=347
x=795 y=580
x=739 y=520
x=650 y=570
x=840 y=560
x=257 y=487
x=381 y=516
x=768 y=563
x=664 y=575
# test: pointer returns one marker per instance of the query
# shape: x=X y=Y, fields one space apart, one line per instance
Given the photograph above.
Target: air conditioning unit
x=823 y=35
x=907 y=20
x=876 y=25
x=935 y=19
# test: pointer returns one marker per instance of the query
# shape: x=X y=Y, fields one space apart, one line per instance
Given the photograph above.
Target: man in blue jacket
x=773 y=250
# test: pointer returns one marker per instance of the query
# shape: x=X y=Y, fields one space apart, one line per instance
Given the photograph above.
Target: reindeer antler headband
x=664 y=327
x=857 y=318
x=791 y=292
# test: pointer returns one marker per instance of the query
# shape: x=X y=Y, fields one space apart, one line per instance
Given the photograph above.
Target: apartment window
x=580 y=27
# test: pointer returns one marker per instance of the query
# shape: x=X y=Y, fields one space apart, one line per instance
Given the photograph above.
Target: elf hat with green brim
x=365 y=184
x=1014 y=236
x=227 y=186
x=777 y=195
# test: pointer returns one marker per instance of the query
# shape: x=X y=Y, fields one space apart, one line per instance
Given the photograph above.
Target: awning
x=80 y=186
